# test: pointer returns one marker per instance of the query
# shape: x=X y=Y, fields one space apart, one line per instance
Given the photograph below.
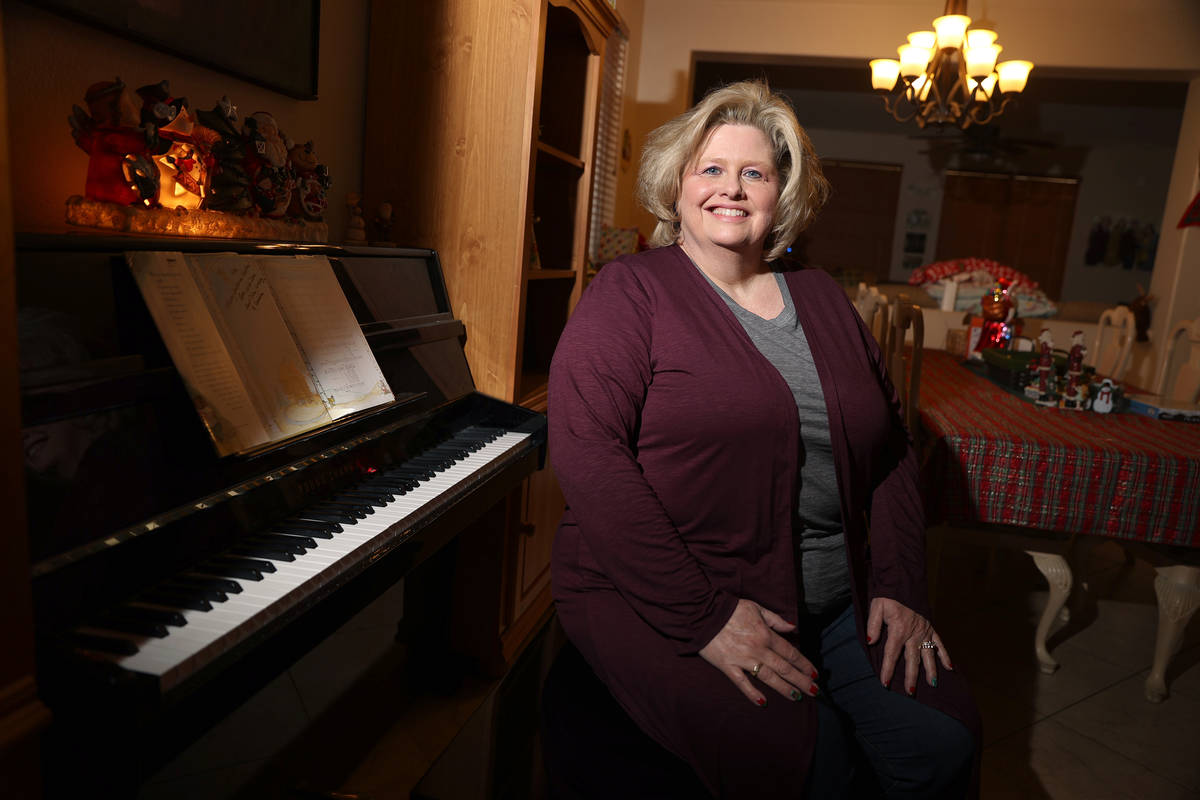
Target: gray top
x=822 y=571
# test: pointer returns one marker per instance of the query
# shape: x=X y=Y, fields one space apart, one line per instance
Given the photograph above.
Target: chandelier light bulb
x=913 y=60
x=921 y=87
x=980 y=37
x=981 y=60
x=925 y=39
x=884 y=73
x=989 y=83
x=1013 y=75
x=951 y=29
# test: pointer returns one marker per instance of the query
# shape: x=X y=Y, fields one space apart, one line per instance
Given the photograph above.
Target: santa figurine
x=1073 y=395
x=999 y=312
x=1045 y=369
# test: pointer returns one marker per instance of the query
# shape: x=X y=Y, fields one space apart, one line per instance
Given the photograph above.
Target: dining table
x=1043 y=478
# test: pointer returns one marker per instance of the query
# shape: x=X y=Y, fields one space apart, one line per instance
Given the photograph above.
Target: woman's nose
x=732 y=184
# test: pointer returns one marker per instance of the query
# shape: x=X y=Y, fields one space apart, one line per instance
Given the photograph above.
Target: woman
x=725 y=437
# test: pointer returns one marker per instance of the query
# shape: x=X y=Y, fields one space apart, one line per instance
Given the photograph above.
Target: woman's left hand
x=907 y=631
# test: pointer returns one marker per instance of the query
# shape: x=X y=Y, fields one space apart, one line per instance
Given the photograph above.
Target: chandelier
x=949 y=75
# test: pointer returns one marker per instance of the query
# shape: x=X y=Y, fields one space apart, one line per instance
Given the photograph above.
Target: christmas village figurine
x=999 y=312
x=156 y=167
x=356 y=226
x=1042 y=390
x=1105 y=397
x=119 y=148
x=1075 y=392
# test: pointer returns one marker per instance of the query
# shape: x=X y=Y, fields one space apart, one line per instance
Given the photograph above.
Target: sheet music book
x=268 y=346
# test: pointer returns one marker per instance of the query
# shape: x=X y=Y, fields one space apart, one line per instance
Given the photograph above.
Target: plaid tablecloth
x=998 y=458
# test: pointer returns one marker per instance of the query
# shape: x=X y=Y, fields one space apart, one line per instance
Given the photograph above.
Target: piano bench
x=593 y=751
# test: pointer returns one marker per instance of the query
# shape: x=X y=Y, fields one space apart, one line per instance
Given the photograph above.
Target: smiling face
x=729 y=192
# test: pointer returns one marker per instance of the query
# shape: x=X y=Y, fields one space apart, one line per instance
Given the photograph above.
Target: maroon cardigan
x=675 y=443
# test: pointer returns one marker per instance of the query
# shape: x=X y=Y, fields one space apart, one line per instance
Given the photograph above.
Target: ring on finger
x=928 y=645
x=755 y=669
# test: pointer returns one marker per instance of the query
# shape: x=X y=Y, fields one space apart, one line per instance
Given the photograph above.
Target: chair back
x=1181 y=385
x=872 y=306
x=906 y=373
x=1114 y=342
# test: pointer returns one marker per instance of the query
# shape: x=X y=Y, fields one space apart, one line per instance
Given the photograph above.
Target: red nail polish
x=813 y=690
x=762 y=701
x=912 y=690
x=949 y=666
x=870 y=639
x=813 y=675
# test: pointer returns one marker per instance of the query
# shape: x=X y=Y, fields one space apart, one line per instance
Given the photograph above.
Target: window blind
x=608 y=139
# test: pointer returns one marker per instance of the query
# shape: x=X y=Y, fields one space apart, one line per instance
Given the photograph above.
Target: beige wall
x=51 y=61
x=1176 y=278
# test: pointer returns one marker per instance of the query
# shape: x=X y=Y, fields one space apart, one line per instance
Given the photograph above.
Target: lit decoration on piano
x=157 y=167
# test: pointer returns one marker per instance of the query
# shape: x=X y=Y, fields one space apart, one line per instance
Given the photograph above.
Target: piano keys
x=170 y=584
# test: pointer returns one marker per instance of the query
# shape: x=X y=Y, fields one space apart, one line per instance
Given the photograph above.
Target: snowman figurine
x=1103 y=403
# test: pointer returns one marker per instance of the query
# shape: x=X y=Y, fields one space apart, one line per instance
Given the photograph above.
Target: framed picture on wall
x=271 y=43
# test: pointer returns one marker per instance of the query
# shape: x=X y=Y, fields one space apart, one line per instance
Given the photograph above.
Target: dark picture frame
x=271 y=43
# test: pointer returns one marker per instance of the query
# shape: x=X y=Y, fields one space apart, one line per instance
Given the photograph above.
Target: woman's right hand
x=751 y=637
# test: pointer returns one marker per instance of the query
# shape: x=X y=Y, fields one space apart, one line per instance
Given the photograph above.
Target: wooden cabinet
x=480 y=130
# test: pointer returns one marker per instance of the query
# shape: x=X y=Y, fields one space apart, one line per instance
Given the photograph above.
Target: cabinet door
x=531 y=542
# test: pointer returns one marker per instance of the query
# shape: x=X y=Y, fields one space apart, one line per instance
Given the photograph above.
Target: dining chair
x=1181 y=385
x=872 y=306
x=904 y=367
x=1115 y=333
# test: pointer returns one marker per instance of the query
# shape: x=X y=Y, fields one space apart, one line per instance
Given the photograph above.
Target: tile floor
x=1084 y=732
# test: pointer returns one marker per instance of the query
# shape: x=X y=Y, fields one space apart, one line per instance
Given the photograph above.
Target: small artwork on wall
x=914 y=243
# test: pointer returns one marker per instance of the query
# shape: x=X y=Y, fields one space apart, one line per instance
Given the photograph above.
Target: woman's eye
x=711 y=171
x=753 y=174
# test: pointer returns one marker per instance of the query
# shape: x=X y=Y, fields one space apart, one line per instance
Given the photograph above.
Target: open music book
x=267 y=345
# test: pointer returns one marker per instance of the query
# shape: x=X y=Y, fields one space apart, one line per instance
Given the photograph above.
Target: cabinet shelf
x=550 y=274
x=561 y=155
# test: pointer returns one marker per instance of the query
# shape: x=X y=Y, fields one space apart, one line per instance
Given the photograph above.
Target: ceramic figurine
x=312 y=183
x=383 y=226
x=999 y=312
x=120 y=169
x=180 y=146
x=228 y=184
x=1046 y=395
x=271 y=177
x=356 y=226
x=1074 y=393
x=1103 y=403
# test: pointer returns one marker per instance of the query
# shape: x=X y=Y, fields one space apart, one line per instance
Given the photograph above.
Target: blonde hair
x=671 y=147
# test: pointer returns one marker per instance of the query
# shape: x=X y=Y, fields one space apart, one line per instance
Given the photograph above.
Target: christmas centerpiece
x=156 y=167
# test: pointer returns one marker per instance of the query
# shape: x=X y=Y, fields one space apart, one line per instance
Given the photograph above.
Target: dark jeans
x=872 y=741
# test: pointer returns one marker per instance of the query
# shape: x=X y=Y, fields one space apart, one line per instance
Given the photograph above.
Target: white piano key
x=210 y=633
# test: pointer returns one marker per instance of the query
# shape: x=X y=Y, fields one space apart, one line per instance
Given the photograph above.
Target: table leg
x=1058 y=575
x=1178 y=590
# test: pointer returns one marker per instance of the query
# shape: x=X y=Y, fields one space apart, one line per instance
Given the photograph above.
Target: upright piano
x=170 y=584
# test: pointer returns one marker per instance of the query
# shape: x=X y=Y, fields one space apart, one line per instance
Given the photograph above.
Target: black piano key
x=179 y=599
x=287 y=529
x=296 y=545
x=405 y=471
x=104 y=644
x=136 y=626
x=252 y=563
x=379 y=498
x=226 y=568
x=213 y=588
x=310 y=525
x=354 y=512
x=269 y=552
x=161 y=616
x=394 y=482
x=321 y=515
